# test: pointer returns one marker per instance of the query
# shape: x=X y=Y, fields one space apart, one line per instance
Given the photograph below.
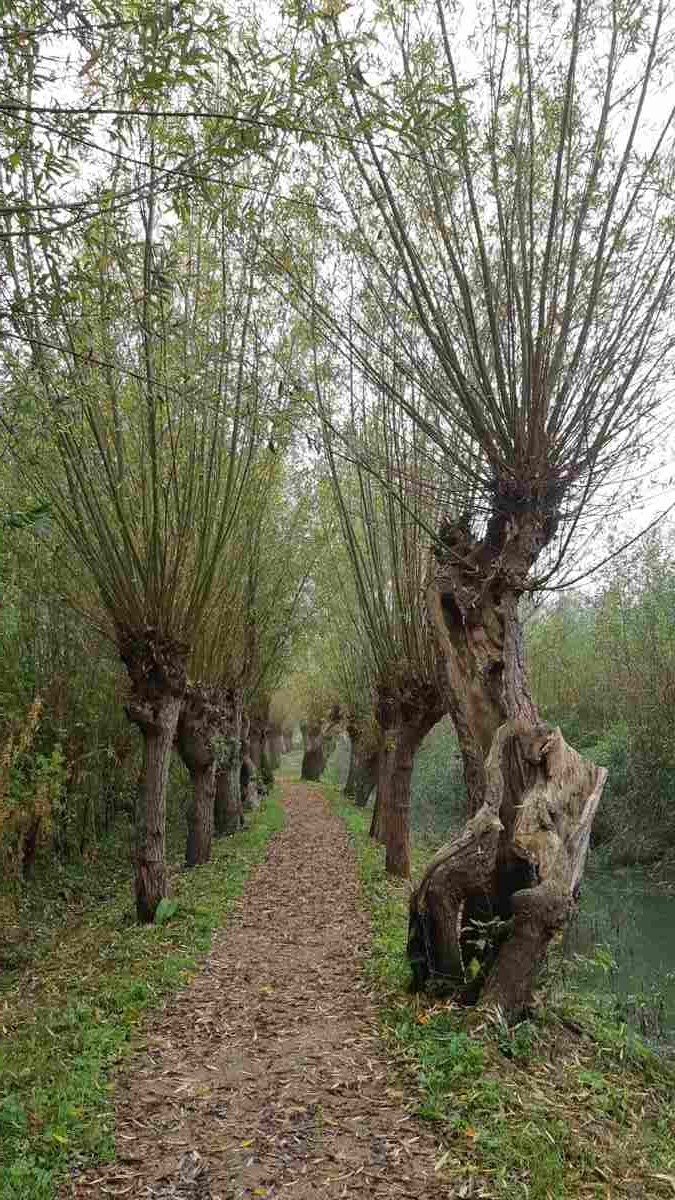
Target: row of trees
x=465 y=292
x=505 y=261
x=145 y=397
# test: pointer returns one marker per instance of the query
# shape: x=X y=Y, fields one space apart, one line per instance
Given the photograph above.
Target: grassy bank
x=68 y=1016
x=568 y=1104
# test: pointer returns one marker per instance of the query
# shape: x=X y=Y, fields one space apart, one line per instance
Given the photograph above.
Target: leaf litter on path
x=265 y=1077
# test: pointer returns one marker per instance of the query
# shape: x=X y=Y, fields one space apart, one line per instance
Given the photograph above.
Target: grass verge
x=65 y=1023
x=567 y=1104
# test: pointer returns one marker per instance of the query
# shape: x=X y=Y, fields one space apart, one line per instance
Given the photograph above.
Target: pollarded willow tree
x=346 y=663
x=243 y=649
x=137 y=338
x=382 y=518
x=516 y=163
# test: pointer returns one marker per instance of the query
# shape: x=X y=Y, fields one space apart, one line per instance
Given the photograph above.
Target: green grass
x=68 y=1019
x=567 y=1104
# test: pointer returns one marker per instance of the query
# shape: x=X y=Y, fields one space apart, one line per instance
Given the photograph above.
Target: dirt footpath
x=266 y=1077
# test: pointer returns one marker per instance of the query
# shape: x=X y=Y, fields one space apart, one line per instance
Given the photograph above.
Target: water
x=622 y=945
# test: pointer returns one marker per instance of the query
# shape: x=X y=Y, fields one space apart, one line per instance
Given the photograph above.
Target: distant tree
x=381 y=518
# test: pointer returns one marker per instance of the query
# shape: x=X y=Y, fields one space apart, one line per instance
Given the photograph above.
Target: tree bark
x=407 y=740
x=157 y=671
x=255 y=742
x=473 y=606
x=265 y=768
x=228 y=814
x=350 y=782
x=248 y=775
x=287 y=742
x=275 y=746
x=385 y=765
x=200 y=816
x=366 y=778
x=531 y=799
x=313 y=759
x=515 y=868
x=201 y=722
x=29 y=844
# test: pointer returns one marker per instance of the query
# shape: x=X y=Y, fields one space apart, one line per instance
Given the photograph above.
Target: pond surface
x=622 y=944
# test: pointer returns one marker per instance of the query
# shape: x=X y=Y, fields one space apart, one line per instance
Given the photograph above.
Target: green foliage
x=603 y=668
x=97 y=978
x=438 y=795
x=166 y=909
x=82 y=761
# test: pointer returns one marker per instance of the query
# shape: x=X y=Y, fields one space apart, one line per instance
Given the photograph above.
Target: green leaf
x=166 y=909
x=154 y=81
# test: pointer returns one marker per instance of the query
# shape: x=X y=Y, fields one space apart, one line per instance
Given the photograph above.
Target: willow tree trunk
x=248 y=775
x=365 y=778
x=385 y=766
x=275 y=746
x=531 y=799
x=158 y=675
x=407 y=739
x=314 y=757
x=201 y=723
x=265 y=768
x=349 y=788
x=228 y=811
x=200 y=816
x=255 y=742
x=473 y=606
x=29 y=845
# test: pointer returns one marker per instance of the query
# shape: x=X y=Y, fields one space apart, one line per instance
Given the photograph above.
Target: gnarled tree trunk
x=385 y=766
x=314 y=758
x=407 y=738
x=275 y=745
x=158 y=674
x=200 y=816
x=473 y=605
x=531 y=798
x=404 y=719
x=365 y=777
x=29 y=845
x=255 y=740
x=511 y=876
x=349 y=788
x=248 y=775
x=228 y=809
x=363 y=759
x=199 y=726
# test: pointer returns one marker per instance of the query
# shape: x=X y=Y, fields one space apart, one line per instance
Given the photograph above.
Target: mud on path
x=265 y=1077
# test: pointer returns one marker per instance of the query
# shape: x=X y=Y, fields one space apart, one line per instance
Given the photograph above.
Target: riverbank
x=569 y=1103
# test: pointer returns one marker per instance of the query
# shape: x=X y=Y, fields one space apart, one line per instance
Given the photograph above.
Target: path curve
x=265 y=1077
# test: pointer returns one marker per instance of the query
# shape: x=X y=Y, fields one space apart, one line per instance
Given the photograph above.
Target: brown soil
x=266 y=1076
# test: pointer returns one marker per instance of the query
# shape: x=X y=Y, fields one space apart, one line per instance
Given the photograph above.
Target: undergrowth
x=567 y=1104
x=69 y=1019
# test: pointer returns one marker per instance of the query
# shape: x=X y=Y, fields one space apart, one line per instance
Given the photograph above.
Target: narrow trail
x=265 y=1077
